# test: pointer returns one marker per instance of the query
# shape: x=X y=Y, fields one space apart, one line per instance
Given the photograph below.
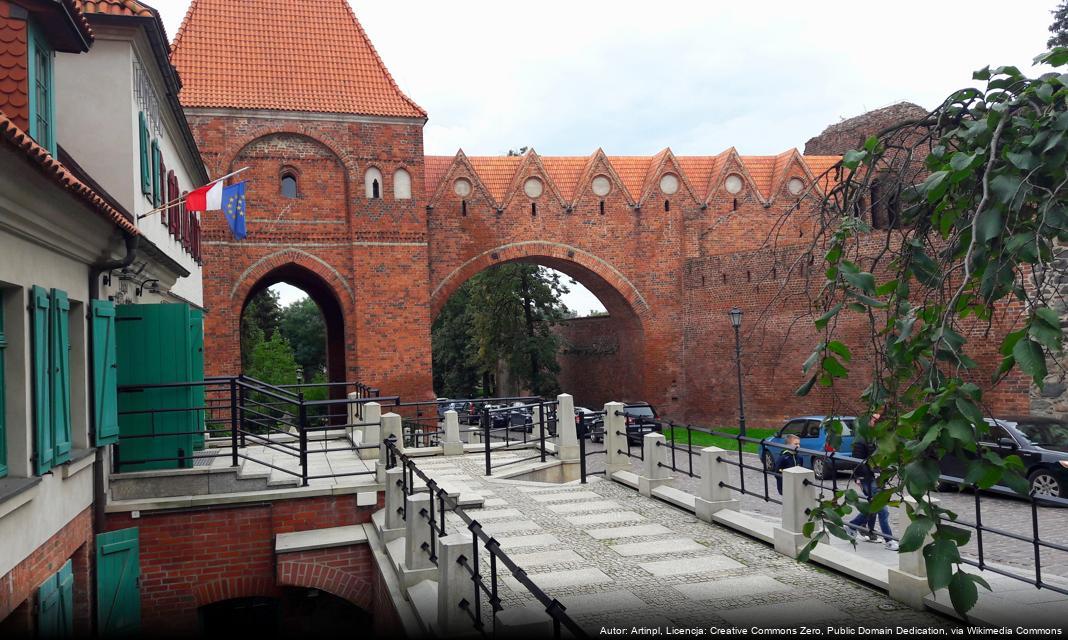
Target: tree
x=1059 y=28
x=979 y=189
x=301 y=324
x=502 y=315
x=259 y=321
x=272 y=362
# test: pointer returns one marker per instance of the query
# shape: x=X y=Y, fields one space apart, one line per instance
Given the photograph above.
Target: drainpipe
x=95 y=272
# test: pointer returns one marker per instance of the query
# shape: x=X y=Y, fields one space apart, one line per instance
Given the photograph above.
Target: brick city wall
x=667 y=268
x=19 y=586
x=595 y=353
x=196 y=557
x=838 y=138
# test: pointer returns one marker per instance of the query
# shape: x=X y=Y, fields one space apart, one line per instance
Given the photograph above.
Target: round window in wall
x=462 y=187
x=795 y=186
x=533 y=188
x=601 y=186
x=733 y=184
x=669 y=183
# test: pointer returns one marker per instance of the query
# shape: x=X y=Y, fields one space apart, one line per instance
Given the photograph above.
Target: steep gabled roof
x=288 y=55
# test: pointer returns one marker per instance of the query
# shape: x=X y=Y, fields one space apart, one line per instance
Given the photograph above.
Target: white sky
x=633 y=77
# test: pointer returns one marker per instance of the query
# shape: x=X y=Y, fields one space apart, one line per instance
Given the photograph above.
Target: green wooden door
x=105 y=398
x=153 y=347
x=196 y=344
x=55 y=604
x=118 y=576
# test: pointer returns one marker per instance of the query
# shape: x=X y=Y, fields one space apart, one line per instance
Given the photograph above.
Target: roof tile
x=291 y=55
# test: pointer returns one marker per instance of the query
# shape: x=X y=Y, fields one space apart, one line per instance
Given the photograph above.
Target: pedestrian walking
x=787 y=458
x=863 y=525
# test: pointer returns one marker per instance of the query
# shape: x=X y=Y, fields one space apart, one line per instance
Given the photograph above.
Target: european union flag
x=233 y=200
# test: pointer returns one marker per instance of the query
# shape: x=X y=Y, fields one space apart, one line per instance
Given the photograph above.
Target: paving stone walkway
x=615 y=558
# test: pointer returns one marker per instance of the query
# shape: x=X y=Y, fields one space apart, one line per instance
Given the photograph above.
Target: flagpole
x=182 y=198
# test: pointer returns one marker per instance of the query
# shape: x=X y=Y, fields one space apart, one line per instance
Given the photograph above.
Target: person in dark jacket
x=787 y=458
x=865 y=477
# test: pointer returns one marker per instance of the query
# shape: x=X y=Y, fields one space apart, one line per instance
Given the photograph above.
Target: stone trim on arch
x=266 y=264
x=530 y=249
x=305 y=570
x=205 y=593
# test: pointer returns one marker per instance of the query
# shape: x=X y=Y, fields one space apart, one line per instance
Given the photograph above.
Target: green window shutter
x=118 y=592
x=65 y=587
x=48 y=608
x=60 y=355
x=42 y=380
x=105 y=394
x=3 y=393
x=156 y=178
x=146 y=159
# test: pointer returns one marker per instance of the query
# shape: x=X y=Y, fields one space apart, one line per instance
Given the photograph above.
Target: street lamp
x=736 y=322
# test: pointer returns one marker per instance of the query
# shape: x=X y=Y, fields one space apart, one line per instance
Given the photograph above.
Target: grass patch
x=699 y=439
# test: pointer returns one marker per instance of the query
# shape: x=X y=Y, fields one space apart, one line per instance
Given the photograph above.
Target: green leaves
x=916 y=534
x=940 y=556
x=1028 y=354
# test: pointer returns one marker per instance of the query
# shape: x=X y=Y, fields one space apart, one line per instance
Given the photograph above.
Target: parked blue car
x=813 y=431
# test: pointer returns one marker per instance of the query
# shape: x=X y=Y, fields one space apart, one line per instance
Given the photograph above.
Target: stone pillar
x=566 y=429
x=798 y=495
x=653 y=474
x=711 y=496
x=394 y=491
x=354 y=416
x=614 y=424
x=372 y=434
x=391 y=426
x=454 y=585
x=908 y=582
x=416 y=532
x=451 y=444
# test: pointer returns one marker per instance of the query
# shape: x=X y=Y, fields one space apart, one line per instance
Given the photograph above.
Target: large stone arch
x=322 y=282
x=210 y=592
x=311 y=573
x=284 y=127
x=617 y=367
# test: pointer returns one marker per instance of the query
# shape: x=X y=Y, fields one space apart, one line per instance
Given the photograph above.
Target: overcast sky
x=699 y=76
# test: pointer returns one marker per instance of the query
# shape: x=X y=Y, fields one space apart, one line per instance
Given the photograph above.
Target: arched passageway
x=295 y=613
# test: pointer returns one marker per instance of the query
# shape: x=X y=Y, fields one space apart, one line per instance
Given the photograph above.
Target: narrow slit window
x=667 y=205
x=289 y=185
x=602 y=207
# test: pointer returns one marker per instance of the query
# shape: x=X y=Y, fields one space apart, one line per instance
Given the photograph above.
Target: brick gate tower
x=296 y=92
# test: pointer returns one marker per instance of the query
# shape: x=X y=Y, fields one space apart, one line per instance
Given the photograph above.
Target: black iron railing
x=482 y=544
x=246 y=411
x=834 y=464
x=498 y=423
x=584 y=424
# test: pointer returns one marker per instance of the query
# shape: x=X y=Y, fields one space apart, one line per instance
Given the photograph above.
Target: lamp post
x=736 y=322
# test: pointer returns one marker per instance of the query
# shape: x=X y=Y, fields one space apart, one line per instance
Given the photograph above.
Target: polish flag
x=207 y=198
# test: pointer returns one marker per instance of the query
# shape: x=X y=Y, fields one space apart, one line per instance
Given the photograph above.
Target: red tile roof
x=115 y=7
x=290 y=55
x=13 y=70
x=53 y=169
x=497 y=173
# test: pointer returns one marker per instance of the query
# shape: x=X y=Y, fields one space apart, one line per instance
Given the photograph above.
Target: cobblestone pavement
x=614 y=558
x=1003 y=513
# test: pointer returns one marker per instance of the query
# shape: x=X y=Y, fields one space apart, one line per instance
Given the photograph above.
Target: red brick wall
x=73 y=542
x=195 y=557
x=596 y=354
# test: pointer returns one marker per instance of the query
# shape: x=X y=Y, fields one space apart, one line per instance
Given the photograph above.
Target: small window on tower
x=373 y=183
x=289 y=185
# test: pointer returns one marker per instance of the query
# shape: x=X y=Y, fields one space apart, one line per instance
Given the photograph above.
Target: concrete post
x=566 y=429
x=454 y=585
x=416 y=532
x=615 y=444
x=711 y=496
x=798 y=496
x=355 y=433
x=656 y=454
x=391 y=426
x=908 y=582
x=394 y=490
x=451 y=444
x=535 y=423
x=372 y=434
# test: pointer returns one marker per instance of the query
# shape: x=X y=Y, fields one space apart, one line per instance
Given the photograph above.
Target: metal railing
x=244 y=411
x=585 y=432
x=836 y=463
x=495 y=420
x=486 y=584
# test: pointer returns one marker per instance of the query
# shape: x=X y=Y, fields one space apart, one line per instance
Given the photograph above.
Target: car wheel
x=769 y=462
x=821 y=469
x=1045 y=484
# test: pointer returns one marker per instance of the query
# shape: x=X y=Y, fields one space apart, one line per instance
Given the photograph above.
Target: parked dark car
x=641 y=418
x=1042 y=444
x=813 y=431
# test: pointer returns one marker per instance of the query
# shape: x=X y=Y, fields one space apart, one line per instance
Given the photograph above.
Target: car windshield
x=1045 y=433
x=640 y=412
